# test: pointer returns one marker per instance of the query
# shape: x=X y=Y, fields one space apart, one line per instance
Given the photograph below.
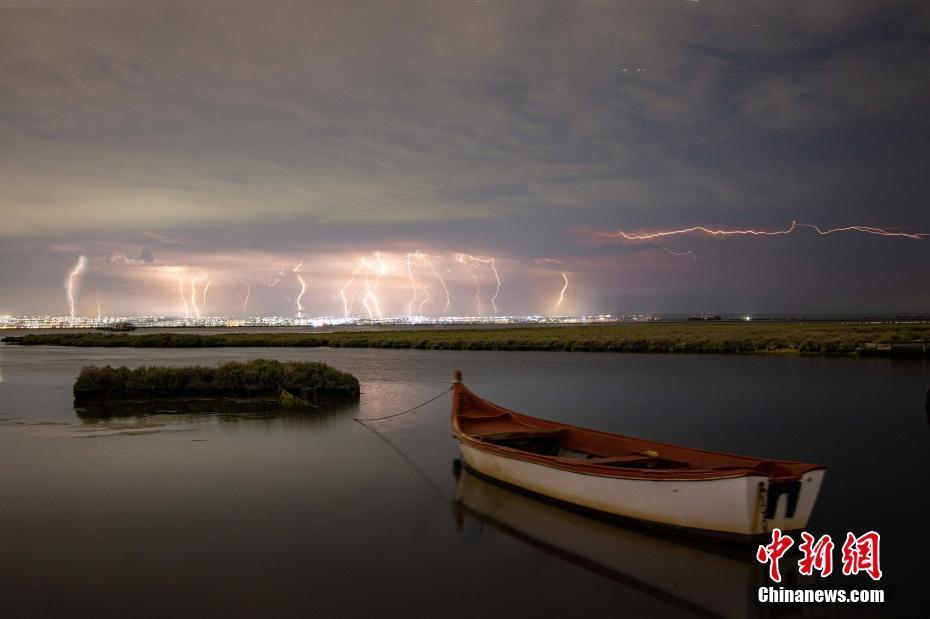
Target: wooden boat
x=692 y=490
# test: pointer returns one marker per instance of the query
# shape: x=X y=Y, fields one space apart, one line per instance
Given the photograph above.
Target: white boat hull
x=733 y=506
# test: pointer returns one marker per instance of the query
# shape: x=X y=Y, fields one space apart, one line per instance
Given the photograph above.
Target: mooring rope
x=413 y=465
x=409 y=410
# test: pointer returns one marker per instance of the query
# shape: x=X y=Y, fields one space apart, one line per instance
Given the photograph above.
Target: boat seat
x=480 y=416
x=520 y=434
x=638 y=461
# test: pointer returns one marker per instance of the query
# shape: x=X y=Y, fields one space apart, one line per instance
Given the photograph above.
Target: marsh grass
x=703 y=337
x=258 y=378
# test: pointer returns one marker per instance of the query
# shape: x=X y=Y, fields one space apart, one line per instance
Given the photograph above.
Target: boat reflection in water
x=693 y=577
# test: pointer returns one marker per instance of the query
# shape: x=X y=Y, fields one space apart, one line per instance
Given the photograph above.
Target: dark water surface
x=262 y=514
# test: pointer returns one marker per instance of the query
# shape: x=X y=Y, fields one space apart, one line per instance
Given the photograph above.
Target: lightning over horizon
x=371 y=289
x=203 y=295
x=183 y=300
x=395 y=284
x=271 y=282
x=422 y=260
x=76 y=272
x=652 y=236
x=562 y=291
x=367 y=296
x=413 y=286
x=346 y=305
x=248 y=294
x=194 y=281
x=474 y=264
x=303 y=288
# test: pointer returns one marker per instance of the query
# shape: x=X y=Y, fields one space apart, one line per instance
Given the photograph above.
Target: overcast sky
x=226 y=142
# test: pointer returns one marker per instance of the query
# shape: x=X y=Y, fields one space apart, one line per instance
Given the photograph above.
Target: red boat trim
x=464 y=400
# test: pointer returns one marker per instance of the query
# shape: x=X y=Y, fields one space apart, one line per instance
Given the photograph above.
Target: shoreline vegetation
x=723 y=338
x=293 y=383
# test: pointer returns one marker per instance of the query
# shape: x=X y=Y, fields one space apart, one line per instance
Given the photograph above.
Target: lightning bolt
x=474 y=275
x=653 y=236
x=303 y=287
x=562 y=292
x=369 y=293
x=368 y=296
x=424 y=302
x=445 y=309
x=413 y=285
x=422 y=260
x=371 y=289
x=347 y=307
x=203 y=301
x=672 y=252
x=79 y=267
x=271 y=282
x=248 y=293
x=474 y=264
x=497 y=290
x=187 y=311
x=194 y=281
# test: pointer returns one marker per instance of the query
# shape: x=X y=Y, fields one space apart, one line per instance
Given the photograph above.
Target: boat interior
x=555 y=442
x=573 y=446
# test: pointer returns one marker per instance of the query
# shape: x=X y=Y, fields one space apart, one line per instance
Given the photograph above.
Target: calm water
x=253 y=514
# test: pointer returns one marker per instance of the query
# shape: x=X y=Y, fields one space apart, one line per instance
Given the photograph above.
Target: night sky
x=224 y=143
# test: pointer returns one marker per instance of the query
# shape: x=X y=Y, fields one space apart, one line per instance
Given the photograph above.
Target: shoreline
x=911 y=339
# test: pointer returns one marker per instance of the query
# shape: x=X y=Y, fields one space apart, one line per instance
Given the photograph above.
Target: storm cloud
x=236 y=139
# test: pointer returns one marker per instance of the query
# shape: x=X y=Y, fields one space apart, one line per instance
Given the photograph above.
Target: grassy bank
x=261 y=377
x=748 y=337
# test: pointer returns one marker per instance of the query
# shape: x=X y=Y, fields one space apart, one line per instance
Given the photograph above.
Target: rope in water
x=413 y=465
x=409 y=410
x=429 y=482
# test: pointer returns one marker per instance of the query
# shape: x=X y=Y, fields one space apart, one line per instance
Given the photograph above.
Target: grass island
x=292 y=382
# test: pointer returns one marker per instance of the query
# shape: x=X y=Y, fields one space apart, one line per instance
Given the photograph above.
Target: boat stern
x=786 y=504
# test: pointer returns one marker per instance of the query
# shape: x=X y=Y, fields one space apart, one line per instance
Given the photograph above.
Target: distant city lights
x=170 y=322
